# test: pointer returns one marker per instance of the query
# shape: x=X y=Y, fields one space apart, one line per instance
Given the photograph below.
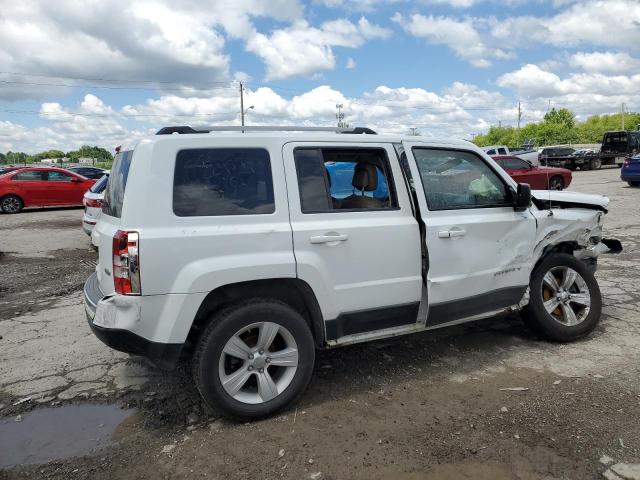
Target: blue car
x=630 y=172
x=341 y=175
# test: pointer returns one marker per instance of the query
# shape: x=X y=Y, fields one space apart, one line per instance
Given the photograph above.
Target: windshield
x=100 y=185
x=114 y=193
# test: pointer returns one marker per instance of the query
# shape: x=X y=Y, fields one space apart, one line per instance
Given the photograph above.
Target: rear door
x=479 y=248
x=31 y=186
x=355 y=239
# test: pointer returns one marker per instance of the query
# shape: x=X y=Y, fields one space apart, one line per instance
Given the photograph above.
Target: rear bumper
x=630 y=176
x=163 y=355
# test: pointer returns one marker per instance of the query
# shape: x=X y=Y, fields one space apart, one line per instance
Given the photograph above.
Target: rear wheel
x=11 y=204
x=556 y=183
x=565 y=301
x=634 y=184
x=595 y=164
x=254 y=359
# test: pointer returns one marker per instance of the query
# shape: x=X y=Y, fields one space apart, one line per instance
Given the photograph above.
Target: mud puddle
x=48 y=434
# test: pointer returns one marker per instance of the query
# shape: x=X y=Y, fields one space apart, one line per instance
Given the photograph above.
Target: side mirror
x=522 y=197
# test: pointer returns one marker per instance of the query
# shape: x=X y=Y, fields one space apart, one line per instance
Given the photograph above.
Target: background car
x=540 y=178
x=630 y=172
x=92 y=202
x=41 y=187
x=4 y=170
x=89 y=172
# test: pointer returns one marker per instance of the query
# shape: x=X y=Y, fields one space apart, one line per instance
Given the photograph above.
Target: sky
x=101 y=72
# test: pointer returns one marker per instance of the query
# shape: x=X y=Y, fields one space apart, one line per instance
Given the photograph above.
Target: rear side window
x=343 y=179
x=114 y=193
x=29 y=175
x=222 y=181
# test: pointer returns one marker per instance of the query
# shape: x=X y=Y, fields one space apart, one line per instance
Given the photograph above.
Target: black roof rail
x=186 y=129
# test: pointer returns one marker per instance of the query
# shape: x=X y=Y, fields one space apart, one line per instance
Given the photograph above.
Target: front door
x=63 y=190
x=355 y=239
x=479 y=248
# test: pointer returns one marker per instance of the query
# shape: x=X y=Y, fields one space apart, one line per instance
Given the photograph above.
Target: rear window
x=100 y=185
x=222 y=181
x=114 y=193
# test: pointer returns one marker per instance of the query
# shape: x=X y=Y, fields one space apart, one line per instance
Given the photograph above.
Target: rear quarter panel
x=186 y=255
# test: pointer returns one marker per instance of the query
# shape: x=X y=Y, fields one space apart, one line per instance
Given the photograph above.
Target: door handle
x=328 y=238
x=452 y=233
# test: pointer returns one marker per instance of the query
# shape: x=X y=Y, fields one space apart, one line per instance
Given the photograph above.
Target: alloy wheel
x=566 y=296
x=258 y=362
x=11 y=205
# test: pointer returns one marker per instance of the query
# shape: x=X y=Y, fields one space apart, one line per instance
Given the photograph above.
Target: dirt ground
x=488 y=400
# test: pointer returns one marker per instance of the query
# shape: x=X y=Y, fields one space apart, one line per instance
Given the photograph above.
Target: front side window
x=29 y=175
x=59 y=177
x=456 y=180
x=222 y=181
x=515 y=164
x=343 y=179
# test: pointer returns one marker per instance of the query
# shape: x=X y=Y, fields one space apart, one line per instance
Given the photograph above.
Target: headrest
x=365 y=177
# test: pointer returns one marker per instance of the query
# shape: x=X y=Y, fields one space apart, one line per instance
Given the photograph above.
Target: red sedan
x=539 y=178
x=41 y=187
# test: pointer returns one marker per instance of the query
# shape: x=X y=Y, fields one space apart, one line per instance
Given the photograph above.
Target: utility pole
x=340 y=116
x=622 y=114
x=241 y=105
x=413 y=131
x=519 y=118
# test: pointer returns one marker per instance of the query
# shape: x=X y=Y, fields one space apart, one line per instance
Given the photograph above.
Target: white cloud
x=583 y=93
x=351 y=63
x=605 y=62
x=609 y=23
x=459 y=35
x=304 y=50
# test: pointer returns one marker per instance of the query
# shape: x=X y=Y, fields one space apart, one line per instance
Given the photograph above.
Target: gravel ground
x=426 y=406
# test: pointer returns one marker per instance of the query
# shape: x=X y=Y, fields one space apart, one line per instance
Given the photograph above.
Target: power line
x=115 y=114
x=109 y=87
x=121 y=80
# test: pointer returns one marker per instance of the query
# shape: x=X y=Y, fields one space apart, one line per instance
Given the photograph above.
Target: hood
x=541 y=198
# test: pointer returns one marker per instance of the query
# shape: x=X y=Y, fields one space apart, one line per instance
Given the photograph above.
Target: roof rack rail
x=184 y=129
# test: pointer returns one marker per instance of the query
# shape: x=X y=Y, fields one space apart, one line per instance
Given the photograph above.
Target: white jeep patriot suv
x=251 y=249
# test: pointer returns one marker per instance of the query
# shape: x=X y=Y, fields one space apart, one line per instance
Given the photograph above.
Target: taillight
x=126 y=263
x=627 y=161
x=92 y=202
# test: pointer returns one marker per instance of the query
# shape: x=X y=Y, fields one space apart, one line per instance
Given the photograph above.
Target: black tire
x=545 y=323
x=11 y=204
x=556 y=183
x=634 y=184
x=595 y=164
x=226 y=324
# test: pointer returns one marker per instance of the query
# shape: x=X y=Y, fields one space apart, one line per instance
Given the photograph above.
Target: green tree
x=560 y=117
x=16 y=158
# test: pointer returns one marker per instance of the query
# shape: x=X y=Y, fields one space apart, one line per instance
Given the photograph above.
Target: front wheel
x=556 y=183
x=595 y=164
x=11 y=204
x=254 y=359
x=565 y=301
x=634 y=184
